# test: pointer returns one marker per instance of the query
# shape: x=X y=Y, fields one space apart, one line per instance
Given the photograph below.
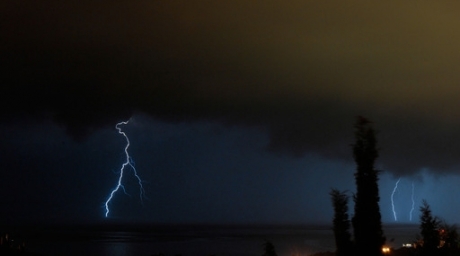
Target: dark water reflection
x=191 y=240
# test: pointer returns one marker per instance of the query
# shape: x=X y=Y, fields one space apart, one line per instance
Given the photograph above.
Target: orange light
x=385 y=250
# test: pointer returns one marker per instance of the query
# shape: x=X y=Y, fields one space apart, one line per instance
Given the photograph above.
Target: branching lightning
x=129 y=162
x=392 y=201
x=413 y=203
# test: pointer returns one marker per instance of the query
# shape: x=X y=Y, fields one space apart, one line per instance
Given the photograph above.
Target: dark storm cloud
x=300 y=70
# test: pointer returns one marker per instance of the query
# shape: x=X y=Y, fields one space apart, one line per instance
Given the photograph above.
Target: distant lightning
x=413 y=203
x=129 y=162
x=392 y=201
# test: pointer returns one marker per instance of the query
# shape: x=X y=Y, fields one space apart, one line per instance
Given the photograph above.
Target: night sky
x=240 y=111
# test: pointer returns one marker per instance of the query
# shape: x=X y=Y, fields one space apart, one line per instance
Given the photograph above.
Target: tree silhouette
x=367 y=224
x=269 y=249
x=429 y=229
x=448 y=234
x=341 y=223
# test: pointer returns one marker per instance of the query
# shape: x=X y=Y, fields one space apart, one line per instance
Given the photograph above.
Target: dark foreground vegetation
x=13 y=245
x=435 y=238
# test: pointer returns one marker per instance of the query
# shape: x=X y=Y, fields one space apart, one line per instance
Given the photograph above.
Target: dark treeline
x=367 y=225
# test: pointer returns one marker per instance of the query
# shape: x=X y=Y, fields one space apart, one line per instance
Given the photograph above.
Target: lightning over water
x=128 y=163
x=413 y=203
x=392 y=201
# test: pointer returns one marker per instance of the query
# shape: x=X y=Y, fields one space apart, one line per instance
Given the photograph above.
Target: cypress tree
x=341 y=223
x=367 y=224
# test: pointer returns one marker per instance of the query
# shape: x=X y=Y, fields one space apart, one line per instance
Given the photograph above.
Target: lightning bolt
x=413 y=203
x=392 y=201
x=128 y=163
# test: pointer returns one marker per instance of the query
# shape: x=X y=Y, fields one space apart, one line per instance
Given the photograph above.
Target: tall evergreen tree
x=367 y=223
x=429 y=226
x=341 y=223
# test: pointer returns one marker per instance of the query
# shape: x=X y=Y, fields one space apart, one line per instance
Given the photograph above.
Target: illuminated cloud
x=300 y=70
